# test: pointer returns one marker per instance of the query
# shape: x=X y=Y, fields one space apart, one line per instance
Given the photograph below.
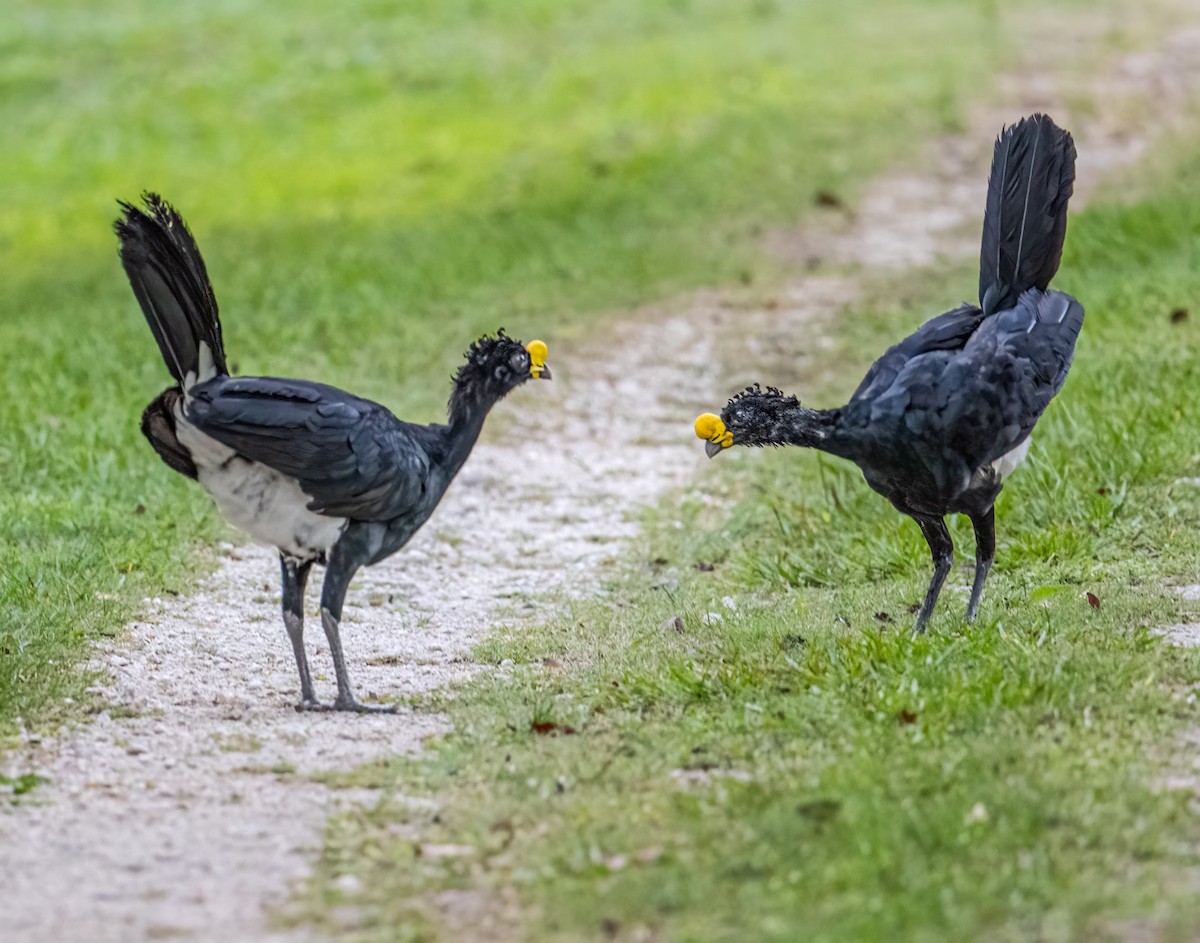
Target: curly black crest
x=485 y=352
x=770 y=392
x=758 y=416
x=482 y=348
x=493 y=365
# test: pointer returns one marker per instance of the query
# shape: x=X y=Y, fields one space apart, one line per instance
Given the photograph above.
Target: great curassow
x=318 y=473
x=943 y=417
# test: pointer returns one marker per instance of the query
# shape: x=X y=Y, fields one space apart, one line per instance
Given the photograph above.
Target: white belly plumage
x=268 y=506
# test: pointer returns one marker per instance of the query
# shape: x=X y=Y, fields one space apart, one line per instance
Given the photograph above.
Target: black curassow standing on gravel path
x=944 y=416
x=319 y=474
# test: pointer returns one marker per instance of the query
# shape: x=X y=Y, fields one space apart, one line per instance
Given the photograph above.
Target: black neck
x=810 y=429
x=467 y=414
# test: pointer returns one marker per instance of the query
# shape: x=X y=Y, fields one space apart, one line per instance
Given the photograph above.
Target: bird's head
x=752 y=417
x=496 y=365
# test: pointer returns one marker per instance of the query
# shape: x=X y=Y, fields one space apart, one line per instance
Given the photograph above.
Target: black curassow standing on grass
x=944 y=416
x=319 y=474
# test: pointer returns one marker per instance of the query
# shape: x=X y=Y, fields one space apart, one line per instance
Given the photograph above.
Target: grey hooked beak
x=712 y=449
x=543 y=373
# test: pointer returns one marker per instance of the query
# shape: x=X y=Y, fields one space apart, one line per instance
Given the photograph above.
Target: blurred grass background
x=373 y=186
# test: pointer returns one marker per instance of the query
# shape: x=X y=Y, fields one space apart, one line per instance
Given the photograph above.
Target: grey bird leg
x=295 y=577
x=985 y=552
x=338 y=574
x=942 y=548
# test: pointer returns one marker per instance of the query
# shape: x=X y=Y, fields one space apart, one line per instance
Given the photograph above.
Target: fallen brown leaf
x=550 y=727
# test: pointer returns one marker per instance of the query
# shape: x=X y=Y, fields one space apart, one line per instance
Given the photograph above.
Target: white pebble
x=349 y=884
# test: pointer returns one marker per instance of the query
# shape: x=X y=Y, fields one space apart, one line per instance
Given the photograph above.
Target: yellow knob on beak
x=537 y=360
x=716 y=437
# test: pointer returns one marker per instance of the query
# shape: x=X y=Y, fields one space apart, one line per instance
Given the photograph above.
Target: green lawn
x=373 y=185
x=804 y=770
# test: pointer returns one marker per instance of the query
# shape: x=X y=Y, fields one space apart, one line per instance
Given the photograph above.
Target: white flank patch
x=1006 y=464
x=268 y=506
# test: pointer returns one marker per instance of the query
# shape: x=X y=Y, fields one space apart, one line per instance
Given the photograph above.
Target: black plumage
x=318 y=473
x=1025 y=222
x=944 y=416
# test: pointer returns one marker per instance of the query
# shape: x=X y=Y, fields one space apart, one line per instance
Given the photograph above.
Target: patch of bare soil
x=189 y=808
x=1183 y=633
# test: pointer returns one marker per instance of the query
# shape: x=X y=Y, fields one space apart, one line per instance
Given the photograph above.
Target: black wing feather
x=992 y=394
x=950 y=413
x=350 y=455
x=949 y=331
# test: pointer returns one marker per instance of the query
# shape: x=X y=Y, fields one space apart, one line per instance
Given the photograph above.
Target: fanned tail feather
x=1032 y=177
x=169 y=279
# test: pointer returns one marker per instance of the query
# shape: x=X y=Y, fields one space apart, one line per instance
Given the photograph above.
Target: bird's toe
x=358 y=707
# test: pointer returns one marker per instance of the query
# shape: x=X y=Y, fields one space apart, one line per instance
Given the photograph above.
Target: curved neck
x=467 y=414
x=810 y=429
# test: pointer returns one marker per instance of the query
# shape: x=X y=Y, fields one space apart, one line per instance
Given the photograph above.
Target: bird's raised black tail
x=170 y=282
x=1033 y=174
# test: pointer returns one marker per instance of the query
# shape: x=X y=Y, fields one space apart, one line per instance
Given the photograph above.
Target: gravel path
x=189 y=808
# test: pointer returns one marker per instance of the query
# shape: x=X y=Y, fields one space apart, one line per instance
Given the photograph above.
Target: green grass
x=803 y=769
x=17 y=786
x=373 y=185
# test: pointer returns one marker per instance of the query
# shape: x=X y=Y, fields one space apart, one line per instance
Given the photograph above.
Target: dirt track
x=189 y=808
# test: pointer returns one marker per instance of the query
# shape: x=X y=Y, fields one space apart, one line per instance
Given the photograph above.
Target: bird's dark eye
x=519 y=361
